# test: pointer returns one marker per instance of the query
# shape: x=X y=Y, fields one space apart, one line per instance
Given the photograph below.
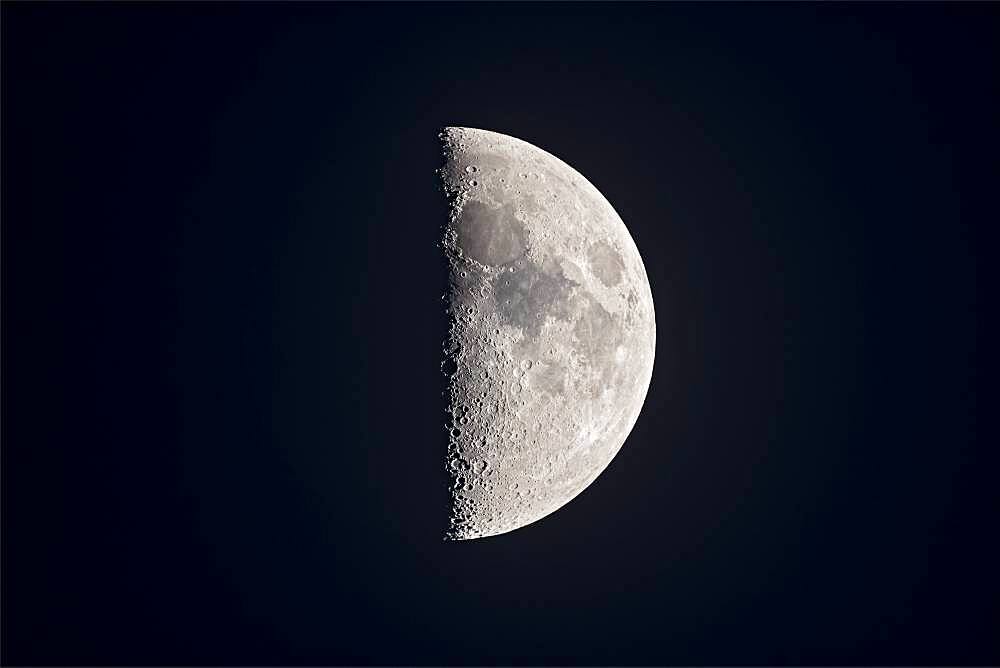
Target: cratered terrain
x=552 y=332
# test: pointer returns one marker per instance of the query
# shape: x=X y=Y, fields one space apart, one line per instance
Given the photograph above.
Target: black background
x=222 y=424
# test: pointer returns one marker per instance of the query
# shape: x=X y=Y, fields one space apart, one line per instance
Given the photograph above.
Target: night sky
x=222 y=432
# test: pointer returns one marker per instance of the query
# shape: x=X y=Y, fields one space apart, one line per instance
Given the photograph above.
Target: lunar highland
x=552 y=332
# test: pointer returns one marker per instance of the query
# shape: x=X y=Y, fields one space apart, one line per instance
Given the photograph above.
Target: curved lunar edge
x=552 y=333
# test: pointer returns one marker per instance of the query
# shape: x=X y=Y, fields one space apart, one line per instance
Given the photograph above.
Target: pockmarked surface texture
x=552 y=335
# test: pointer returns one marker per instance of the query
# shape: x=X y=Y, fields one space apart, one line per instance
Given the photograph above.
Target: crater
x=483 y=161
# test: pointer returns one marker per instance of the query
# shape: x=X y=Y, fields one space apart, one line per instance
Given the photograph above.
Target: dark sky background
x=222 y=425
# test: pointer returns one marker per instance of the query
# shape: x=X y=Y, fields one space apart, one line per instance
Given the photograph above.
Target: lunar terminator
x=552 y=333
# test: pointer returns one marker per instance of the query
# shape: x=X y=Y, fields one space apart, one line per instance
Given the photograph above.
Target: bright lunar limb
x=552 y=335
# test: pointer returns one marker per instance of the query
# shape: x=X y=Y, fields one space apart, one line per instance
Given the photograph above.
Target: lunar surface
x=552 y=332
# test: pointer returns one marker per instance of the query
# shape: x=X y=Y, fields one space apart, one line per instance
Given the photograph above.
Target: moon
x=551 y=332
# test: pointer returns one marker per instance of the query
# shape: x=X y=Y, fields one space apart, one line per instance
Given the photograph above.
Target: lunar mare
x=552 y=332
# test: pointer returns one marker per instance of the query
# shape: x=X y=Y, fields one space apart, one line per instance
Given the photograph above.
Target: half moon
x=552 y=332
